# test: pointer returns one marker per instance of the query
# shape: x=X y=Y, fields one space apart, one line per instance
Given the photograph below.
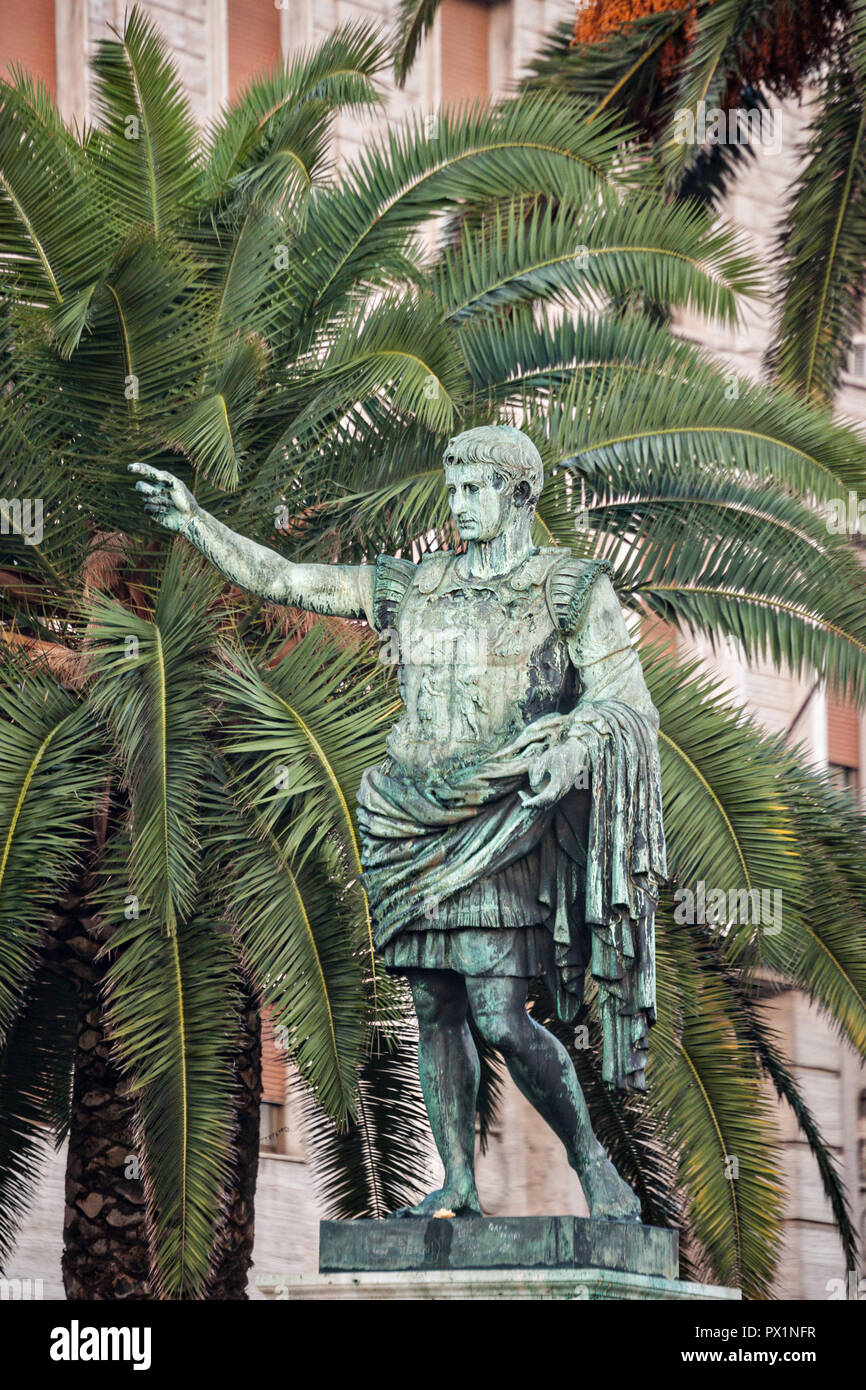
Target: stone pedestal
x=560 y=1257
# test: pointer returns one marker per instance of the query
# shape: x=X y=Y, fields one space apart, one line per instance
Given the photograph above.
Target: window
x=465 y=53
x=856 y=365
x=273 y=1123
x=253 y=41
x=843 y=742
x=27 y=38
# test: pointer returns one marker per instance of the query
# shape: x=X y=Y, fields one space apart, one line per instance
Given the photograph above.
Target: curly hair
x=509 y=451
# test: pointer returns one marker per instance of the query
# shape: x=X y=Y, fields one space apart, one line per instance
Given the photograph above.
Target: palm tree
x=655 y=64
x=185 y=758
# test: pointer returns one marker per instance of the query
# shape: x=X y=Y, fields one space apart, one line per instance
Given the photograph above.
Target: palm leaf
x=415 y=19
x=52 y=772
x=362 y=1170
x=706 y=1091
x=148 y=691
x=297 y=738
x=298 y=934
x=669 y=255
x=821 y=270
x=172 y=1015
x=149 y=143
x=35 y=1088
x=259 y=126
x=753 y=1029
x=50 y=243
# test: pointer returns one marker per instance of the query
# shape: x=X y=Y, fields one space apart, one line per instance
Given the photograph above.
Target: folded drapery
x=425 y=843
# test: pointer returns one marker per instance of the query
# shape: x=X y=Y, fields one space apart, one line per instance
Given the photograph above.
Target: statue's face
x=480 y=500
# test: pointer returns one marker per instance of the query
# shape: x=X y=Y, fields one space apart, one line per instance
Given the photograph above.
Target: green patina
x=514 y=829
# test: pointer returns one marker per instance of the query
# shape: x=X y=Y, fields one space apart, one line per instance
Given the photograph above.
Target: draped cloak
x=443 y=813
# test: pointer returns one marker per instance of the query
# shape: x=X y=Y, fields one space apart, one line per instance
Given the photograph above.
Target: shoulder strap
x=393 y=578
x=432 y=569
x=569 y=585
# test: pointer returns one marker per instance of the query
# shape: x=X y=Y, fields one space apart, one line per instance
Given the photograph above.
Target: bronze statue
x=514 y=830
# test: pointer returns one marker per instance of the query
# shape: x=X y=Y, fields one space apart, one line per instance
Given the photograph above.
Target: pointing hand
x=167 y=499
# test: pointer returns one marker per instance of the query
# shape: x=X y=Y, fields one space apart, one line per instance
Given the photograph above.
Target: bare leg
x=543 y=1071
x=449 y=1071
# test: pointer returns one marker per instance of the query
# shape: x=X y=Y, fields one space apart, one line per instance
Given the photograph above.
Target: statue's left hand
x=554 y=772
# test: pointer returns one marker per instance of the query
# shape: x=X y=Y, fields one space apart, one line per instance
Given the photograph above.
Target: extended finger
x=148 y=471
x=151 y=489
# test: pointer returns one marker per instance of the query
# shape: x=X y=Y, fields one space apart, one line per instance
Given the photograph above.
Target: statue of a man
x=514 y=830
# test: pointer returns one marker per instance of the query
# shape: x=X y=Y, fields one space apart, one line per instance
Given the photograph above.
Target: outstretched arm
x=344 y=591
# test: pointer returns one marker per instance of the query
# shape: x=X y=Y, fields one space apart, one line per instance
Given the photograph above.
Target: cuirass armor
x=478 y=660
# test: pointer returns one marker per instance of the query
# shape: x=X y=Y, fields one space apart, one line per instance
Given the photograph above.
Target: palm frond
x=399 y=349
x=297 y=738
x=35 y=1086
x=761 y=850
x=667 y=255
x=148 y=691
x=830 y=966
x=617 y=73
x=753 y=1028
x=818 y=253
x=172 y=1015
x=535 y=145
x=52 y=772
x=717 y=421
x=50 y=242
x=298 y=933
x=725 y=557
x=263 y=125
x=415 y=19
x=372 y=1167
x=705 y=1088
x=149 y=145
x=703 y=79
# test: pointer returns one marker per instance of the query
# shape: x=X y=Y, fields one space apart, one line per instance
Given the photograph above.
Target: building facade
x=479 y=49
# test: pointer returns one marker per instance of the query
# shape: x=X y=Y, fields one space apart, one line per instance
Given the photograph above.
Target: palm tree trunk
x=105 y=1245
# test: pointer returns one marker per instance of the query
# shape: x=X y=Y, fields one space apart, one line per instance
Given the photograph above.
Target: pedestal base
x=563 y=1257
x=437 y=1285
x=499 y=1242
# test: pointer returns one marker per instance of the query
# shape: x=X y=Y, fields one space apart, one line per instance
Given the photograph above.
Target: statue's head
x=494 y=477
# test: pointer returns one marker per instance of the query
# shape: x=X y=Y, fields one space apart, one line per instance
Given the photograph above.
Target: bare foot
x=609 y=1196
x=448 y=1201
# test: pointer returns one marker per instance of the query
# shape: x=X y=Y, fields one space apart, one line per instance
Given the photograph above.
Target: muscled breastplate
x=479 y=659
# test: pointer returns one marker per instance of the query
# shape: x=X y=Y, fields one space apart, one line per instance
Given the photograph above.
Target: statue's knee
x=502 y=1030
x=439 y=1002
